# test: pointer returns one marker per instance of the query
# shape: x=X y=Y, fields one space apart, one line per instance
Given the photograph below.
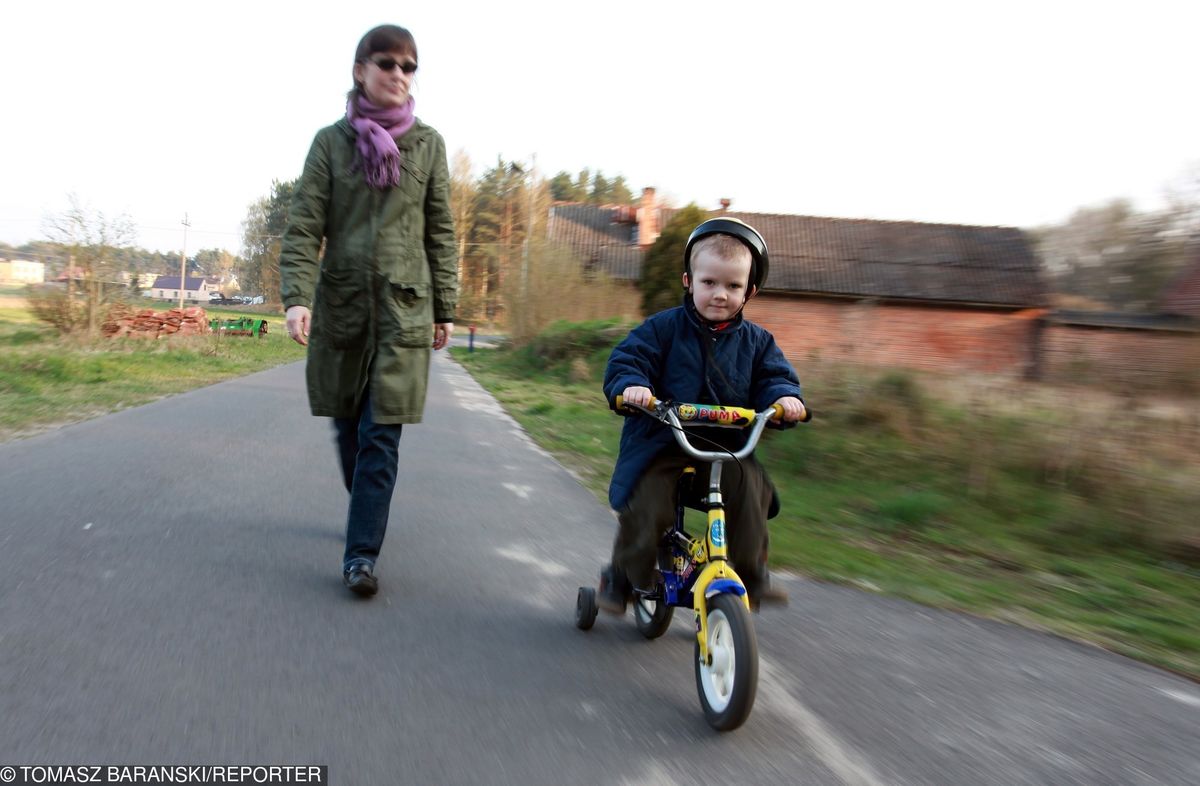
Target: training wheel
x=585 y=608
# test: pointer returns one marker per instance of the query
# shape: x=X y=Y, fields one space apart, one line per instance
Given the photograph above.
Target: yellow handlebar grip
x=620 y=402
x=778 y=412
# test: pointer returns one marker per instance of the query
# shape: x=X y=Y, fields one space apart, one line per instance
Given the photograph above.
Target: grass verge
x=47 y=380
x=886 y=490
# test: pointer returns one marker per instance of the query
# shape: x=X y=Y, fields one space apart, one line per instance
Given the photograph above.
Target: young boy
x=703 y=352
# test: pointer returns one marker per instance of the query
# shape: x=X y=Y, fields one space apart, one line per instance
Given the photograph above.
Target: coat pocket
x=412 y=177
x=341 y=309
x=411 y=312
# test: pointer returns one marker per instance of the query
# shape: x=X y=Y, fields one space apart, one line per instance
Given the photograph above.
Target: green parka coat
x=388 y=272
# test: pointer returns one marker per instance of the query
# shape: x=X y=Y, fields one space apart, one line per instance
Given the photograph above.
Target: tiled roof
x=1182 y=296
x=850 y=257
x=172 y=282
x=601 y=242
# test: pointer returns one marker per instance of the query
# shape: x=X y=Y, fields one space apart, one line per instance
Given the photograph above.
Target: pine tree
x=663 y=265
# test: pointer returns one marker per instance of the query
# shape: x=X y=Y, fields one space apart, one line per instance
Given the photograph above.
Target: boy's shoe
x=769 y=595
x=615 y=590
x=361 y=580
x=767 y=592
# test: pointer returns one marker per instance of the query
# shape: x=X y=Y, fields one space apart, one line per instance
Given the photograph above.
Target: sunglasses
x=390 y=64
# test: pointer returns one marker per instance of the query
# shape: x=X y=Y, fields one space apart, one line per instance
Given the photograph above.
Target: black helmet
x=759 y=264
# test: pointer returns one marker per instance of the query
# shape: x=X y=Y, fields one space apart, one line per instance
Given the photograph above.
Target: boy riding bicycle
x=703 y=352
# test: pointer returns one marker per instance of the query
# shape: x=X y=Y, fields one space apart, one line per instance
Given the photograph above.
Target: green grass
x=887 y=491
x=47 y=380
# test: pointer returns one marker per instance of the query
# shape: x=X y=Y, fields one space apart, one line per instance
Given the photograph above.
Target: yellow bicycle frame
x=712 y=551
x=715 y=554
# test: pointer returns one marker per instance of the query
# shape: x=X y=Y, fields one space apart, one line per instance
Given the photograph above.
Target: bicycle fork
x=718 y=575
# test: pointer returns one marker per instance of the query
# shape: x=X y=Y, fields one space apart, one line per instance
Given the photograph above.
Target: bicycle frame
x=709 y=555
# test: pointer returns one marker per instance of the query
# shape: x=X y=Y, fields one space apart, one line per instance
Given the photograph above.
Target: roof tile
x=840 y=256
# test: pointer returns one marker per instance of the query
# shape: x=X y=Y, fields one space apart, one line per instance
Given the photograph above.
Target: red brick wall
x=1150 y=359
x=960 y=339
x=920 y=337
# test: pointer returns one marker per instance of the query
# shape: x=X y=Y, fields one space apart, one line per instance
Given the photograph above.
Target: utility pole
x=183 y=261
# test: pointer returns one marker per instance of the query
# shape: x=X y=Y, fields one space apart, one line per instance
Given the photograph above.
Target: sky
x=1003 y=113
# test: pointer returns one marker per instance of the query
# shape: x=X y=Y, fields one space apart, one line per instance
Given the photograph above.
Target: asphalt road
x=170 y=593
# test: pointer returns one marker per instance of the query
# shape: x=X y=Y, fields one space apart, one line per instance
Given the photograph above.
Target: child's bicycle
x=696 y=574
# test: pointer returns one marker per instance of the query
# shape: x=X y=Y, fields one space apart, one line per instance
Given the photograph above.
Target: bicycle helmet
x=759 y=261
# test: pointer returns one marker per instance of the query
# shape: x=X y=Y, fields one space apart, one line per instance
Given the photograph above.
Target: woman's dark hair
x=385 y=38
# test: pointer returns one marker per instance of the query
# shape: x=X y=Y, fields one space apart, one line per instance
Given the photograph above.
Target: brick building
x=883 y=293
x=1133 y=352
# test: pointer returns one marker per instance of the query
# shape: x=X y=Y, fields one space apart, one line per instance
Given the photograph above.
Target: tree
x=562 y=188
x=463 y=195
x=91 y=241
x=582 y=185
x=597 y=190
x=663 y=263
x=262 y=232
x=497 y=231
x=1110 y=257
x=601 y=191
x=214 y=263
x=619 y=192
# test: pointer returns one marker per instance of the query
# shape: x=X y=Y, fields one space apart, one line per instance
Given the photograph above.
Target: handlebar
x=680 y=415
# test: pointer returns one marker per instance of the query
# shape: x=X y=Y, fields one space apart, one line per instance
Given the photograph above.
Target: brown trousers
x=650 y=513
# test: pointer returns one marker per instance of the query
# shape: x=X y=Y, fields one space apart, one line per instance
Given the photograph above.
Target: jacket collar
x=704 y=326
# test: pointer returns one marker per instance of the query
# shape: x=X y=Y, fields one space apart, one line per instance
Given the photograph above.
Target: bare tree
x=92 y=241
x=1111 y=257
x=262 y=233
x=463 y=196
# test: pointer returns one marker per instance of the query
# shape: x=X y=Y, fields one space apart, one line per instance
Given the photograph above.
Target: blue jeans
x=369 y=452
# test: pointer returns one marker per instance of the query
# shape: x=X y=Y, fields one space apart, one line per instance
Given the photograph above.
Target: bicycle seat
x=692 y=494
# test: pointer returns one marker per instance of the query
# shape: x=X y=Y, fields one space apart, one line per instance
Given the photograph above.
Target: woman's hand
x=299 y=319
x=441 y=334
x=793 y=408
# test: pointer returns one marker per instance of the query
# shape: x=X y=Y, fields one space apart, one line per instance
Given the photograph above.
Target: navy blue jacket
x=665 y=354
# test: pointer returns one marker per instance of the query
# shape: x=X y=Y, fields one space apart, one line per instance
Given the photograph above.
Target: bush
x=565 y=340
x=52 y=305
x=554 y=287
x=894 y=403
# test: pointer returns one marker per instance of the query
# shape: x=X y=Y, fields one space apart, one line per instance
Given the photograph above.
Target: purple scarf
x=378 y=129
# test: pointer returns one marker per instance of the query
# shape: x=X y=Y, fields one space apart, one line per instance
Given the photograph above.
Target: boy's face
x=718 y=285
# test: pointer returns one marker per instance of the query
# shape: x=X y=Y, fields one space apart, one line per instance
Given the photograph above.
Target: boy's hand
x=793 y=408
x=637 y=395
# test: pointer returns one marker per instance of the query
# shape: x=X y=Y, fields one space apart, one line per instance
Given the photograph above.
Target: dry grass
x=555 y=289
x=1137 y=458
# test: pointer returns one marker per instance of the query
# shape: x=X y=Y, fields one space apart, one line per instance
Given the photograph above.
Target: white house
x=22 y=271
x=195 y=290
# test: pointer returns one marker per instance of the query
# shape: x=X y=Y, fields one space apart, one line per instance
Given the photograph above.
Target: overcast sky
x=1012 y=113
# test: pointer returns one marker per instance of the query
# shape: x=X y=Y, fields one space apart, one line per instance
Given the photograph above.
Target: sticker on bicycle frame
x=717 y=533
x=721 y=416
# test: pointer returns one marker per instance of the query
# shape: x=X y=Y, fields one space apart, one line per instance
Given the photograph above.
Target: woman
x=375 y=193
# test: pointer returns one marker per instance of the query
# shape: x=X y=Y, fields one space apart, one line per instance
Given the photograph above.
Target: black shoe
x=768 y=593
x=615 y=590
x=360 y=580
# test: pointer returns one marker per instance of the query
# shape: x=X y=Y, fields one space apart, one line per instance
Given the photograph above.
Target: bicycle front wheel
x=728 y=683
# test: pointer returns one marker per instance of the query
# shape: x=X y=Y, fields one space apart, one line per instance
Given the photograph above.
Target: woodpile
x=123 y=321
